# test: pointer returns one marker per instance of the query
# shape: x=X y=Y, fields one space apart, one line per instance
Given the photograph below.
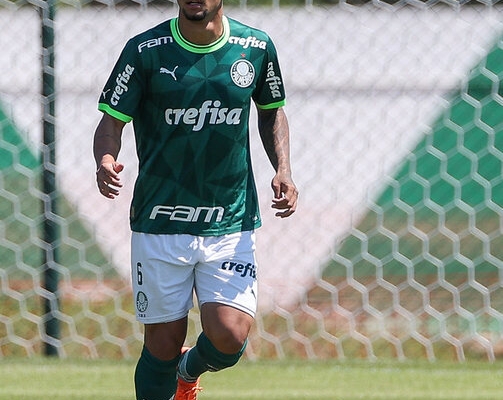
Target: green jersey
x=190 y=108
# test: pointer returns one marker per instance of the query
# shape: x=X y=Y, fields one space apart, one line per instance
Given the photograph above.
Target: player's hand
x=107 y=178
x=285 y=196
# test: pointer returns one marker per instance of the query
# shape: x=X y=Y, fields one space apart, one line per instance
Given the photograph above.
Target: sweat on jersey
x=190 y=107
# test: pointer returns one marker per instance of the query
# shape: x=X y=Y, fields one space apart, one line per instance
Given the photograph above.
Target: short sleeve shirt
x=190 y=108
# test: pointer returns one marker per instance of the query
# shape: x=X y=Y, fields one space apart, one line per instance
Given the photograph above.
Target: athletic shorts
x=168 y=269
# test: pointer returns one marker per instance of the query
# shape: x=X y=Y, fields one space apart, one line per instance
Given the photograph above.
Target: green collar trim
x=200 y=49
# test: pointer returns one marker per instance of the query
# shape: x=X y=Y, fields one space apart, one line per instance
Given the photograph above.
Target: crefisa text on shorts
x=242 y=269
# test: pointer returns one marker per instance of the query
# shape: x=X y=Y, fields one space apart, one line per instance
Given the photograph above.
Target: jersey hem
x=215 y=232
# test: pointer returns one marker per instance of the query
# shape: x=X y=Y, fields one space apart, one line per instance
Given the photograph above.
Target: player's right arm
x=106 y=147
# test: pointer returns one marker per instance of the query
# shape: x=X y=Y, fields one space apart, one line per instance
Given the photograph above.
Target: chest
x=228 y=75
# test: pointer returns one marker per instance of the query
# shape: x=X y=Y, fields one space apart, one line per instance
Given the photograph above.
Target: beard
x=195 y=17
x=201 y=16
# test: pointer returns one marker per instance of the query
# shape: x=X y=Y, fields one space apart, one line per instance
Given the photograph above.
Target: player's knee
x=226 y=329
x=217 y=359
x=165 y=340
x=228 y=341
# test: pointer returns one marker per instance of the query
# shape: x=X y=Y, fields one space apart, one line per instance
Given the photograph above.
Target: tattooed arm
x=275 y=135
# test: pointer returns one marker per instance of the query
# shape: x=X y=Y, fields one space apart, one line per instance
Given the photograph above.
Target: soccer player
x=187 y=85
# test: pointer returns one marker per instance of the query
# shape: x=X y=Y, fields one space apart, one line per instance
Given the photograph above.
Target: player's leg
x=226 y=327
x=226 y=286
x=155 y=373
x=220 y=345
x=164 y=340
x=162 y=286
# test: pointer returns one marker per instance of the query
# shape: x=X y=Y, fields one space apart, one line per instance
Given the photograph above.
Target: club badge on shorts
x=141 y=302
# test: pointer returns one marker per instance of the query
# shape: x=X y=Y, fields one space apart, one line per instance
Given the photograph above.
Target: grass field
x=281 y=380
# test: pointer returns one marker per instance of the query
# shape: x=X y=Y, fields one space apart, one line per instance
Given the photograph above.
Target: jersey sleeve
x=270 y=92
x=123 y=90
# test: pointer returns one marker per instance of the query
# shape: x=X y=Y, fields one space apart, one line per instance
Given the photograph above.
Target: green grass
x=281 y=380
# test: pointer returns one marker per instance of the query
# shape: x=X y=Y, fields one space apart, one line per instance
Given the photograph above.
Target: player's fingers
x=288 y=197
x=276 y=189
x=108 y=173
x=285 y=212
x=108 y=191
x=108 y=180
x=287 y=204
x=292 y=195
x=118 y=167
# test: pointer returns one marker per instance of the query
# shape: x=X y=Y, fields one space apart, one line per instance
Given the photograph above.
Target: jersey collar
x=194 y=48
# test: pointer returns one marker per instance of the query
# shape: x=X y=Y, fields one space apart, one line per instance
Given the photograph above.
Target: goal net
x=396 y=118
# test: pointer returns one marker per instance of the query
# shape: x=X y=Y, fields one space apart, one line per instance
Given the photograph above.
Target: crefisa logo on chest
x=242 y=73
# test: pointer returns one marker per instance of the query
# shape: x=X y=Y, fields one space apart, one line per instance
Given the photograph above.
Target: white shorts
x=167 y=269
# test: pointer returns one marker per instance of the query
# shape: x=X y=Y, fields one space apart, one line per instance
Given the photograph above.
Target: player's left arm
x=275 y=135
x=106 y=147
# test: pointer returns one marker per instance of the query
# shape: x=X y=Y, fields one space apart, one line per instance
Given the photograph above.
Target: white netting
x=365 y=85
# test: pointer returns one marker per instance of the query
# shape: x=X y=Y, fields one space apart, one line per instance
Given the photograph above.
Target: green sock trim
x=205 y=357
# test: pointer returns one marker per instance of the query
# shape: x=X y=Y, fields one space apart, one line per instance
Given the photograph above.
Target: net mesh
x=395 y=111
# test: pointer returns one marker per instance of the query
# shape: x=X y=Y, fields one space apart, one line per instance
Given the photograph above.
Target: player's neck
x=202 y=32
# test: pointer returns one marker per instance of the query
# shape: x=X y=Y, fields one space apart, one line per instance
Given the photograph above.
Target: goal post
x=49 y=203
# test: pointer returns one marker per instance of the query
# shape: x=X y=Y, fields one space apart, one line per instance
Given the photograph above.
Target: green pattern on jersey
x=190 y=107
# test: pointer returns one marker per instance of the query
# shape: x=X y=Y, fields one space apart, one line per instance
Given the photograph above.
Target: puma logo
x=167 y=71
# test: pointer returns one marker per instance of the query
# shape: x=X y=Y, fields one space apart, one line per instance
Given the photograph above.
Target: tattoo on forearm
x=274 y=132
